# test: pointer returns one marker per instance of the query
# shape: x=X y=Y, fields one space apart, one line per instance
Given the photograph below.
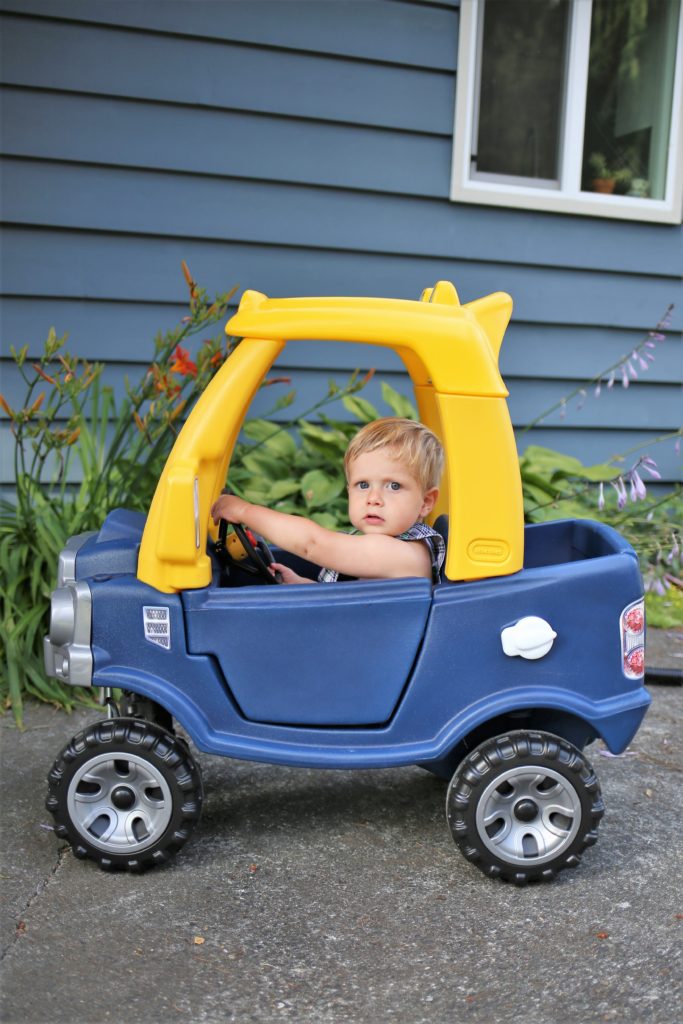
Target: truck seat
x=441 y=526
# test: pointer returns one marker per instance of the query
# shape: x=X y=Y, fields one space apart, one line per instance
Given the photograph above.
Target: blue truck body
x=373 y=673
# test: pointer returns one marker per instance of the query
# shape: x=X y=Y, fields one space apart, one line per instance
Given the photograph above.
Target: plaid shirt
x=419 y=531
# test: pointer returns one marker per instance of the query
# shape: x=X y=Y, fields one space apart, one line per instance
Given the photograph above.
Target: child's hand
x=288 y=575
x=229 y=507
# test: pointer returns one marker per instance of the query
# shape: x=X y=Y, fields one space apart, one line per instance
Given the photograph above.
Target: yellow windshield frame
x=451 y=354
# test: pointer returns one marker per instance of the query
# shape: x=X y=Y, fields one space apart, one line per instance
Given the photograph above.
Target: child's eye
x=394 y=486
x=362 y=485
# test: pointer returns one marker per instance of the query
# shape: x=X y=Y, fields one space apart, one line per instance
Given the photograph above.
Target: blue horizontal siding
x=158 y=203
x=128 y=133
x=379 y=31
x=305 y=154
x=50 y=55
x=99 y=266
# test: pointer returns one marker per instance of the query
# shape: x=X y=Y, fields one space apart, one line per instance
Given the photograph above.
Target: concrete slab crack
x=37 y=894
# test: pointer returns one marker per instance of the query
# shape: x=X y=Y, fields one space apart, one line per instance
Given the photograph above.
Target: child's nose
x=375 y=496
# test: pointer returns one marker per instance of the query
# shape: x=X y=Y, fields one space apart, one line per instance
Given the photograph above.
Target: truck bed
x=570 y=540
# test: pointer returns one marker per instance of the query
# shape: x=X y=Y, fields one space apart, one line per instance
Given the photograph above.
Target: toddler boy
x=393 y=467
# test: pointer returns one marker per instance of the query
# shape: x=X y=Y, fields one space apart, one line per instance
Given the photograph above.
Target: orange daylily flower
x=183 y=364
x=163 y=383
x=38 y=402
x=5 y=406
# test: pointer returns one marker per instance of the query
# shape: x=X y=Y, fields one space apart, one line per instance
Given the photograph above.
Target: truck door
x=321 y=655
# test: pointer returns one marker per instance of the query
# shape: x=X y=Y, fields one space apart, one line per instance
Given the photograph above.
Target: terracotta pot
x=604 y=185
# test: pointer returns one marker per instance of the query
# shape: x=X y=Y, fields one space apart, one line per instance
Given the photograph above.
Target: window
x=572 y=106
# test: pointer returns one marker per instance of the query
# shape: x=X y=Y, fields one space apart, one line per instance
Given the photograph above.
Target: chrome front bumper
x=66 y=649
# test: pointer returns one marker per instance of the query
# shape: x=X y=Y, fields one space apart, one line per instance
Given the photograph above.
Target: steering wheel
x=254 y=555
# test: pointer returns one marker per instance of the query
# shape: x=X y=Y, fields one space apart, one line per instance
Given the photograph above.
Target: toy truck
x=496 y=678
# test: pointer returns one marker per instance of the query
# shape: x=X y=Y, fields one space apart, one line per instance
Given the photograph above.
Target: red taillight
x=632 y=626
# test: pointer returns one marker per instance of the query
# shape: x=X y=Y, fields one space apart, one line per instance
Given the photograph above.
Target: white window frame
x=499 y=190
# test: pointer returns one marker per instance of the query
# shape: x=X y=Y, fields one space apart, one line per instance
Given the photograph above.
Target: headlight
x=66 y=649
x=62 y=616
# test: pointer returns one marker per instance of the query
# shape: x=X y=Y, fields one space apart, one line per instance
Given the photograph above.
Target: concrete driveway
x=340 y=897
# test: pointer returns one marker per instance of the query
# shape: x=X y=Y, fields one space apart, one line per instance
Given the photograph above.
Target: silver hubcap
x=120 y=805
x=528 y=815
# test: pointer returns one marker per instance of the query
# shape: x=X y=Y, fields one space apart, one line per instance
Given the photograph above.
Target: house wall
x=297 y=148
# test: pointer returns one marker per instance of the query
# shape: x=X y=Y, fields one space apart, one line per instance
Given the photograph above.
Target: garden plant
x=80 y=452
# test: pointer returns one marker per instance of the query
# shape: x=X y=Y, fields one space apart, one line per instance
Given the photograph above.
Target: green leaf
x=262 y=462
x=325 y=519
x=360 y=408
x=329 y=443
x=282 y=489
x=271 y=436
x=557 y=465
x=319 y=488
x=399 y=404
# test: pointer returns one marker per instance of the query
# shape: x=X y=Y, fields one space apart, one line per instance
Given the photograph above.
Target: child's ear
x=429 y=501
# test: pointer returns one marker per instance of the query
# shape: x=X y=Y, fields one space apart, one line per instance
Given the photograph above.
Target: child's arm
x=369 y=556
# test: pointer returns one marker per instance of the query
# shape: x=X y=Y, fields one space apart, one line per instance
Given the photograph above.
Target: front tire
x=125 y=793
x=523 y=806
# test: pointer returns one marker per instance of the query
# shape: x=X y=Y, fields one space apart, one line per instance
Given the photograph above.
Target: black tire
x=125 y=793
x=523 y=806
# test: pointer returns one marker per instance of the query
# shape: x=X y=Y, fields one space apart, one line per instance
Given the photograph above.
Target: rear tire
x=523 y=806
x=125 y=793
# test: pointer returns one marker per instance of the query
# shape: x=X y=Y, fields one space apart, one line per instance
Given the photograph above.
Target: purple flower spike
x=642 y=363
x=619 y=487
x=598 y=389
x=638 y=489
x=624 y=377
x=632 y=370
x=563 y=409
x=610 y=382
x=582 y=400
x=658 y=336
x=650 y=344
x=650 y=466
x=650 y=356
x=601 y=496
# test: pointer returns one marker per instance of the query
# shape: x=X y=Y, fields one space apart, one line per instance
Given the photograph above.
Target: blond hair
x=409 y=442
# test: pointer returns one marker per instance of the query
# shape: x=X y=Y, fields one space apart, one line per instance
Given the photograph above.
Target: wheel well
x=132 y=705
x=561 y=723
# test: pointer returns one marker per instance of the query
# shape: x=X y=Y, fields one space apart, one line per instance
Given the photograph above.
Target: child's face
x=384 y=496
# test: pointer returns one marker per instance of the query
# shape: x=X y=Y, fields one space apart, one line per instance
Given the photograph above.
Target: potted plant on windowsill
x=601 y=177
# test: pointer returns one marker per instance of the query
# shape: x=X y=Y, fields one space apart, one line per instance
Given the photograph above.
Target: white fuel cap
x=531 y=637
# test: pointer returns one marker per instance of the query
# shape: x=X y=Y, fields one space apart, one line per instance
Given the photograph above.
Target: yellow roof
x=452 y=347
